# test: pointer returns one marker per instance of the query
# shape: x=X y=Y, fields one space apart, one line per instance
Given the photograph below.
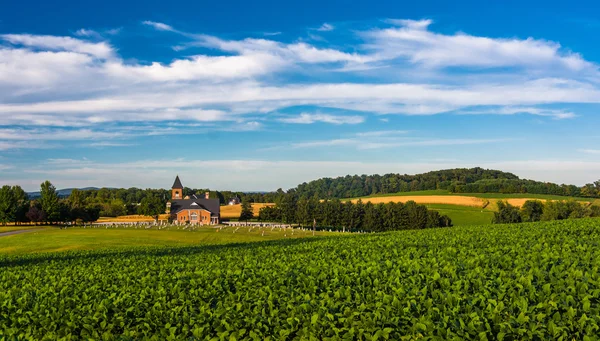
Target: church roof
x=211 y=205
x=177 y=184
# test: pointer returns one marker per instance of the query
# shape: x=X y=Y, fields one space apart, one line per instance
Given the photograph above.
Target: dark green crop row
x=536 y=281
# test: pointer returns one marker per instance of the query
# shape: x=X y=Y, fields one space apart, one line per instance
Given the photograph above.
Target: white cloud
x=378 y=133
x=307 y=118
x=552 y=113
x=53 y=43
x=382 y=139
x=414 y=41
x=159 y=26
x=70 y=82
x=590 y=151
x=326 y=27
x=82 y=32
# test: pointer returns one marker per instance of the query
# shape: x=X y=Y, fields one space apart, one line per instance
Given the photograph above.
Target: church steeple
x=177 y=189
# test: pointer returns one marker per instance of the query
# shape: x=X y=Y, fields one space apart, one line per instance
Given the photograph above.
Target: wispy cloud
x=159 y=26
x=80 y=82
x=307 y=118
x=389 y=139
x=111 y=144
x=53 y=43
x=590 y=151
x=326 y=27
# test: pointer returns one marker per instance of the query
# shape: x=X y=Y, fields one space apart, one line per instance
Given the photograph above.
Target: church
x=192 y=210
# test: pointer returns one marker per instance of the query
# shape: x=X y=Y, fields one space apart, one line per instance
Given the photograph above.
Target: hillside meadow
x=532 y=281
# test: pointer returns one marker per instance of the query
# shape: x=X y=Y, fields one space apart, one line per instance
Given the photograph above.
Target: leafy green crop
x=535 y=281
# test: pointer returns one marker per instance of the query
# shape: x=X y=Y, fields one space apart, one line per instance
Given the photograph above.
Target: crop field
x=132 y=218
x=427 y=199
x=482 y=195
x=536 y=281
x=52 y=239
x=234 y=211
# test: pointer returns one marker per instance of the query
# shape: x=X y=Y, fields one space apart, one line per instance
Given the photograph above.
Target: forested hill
x=460 y=180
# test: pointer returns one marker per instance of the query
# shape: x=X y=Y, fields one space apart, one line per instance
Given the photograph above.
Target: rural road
x=10 y=233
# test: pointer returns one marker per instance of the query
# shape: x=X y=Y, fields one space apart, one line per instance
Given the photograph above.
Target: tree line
x=347 y=215
x=536 y=210
x=17 y=208
x=460 y=180
x=114 y=202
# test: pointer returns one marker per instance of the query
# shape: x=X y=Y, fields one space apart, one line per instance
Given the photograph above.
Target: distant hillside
x=459 y=180
x=63 y=193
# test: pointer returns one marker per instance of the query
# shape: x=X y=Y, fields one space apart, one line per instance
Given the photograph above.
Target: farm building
x=192 y=210
x=234 y=201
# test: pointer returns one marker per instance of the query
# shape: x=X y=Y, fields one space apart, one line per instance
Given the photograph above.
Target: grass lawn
x=464 y=215
x=54 y=239
x=9 y=228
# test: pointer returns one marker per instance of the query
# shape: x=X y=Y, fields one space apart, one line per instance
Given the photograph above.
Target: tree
x=21 y=204
x=532 y=210
x=247 y=212
x=152 y=206
x=35 y=213
x=76 y=199
x=49 y=202
x=7 y=205
x=507 y=214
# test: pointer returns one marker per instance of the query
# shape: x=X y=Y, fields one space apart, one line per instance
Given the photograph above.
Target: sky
x=260 y=95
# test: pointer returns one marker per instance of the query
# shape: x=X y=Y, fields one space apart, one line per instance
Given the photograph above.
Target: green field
x=54 y=239
x=533 y=281
x=464 y=215
x=10 y=228
x=481 y=195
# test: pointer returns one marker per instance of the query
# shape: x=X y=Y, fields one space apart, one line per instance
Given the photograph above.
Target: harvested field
x=132 y=218
x=233 y=211
x=428 y=199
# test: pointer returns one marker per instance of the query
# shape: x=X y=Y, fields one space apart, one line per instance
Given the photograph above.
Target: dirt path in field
x=428 y=199
x=10 y=233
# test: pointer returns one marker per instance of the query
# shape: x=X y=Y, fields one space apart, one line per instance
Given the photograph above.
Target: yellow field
x=444 y=199
x=132 y=218
x=428 y=199
x=234 y=211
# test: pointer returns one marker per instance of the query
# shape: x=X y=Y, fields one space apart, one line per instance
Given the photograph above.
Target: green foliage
x=247 y=212
x=152 y=206
x=532 y=210
x=507 y=214
x=344 y=216
x=7 y=205
x=49 y=202
x=460 y=180
x=473 y=283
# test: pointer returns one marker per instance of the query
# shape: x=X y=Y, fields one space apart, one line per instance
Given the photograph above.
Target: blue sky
x=261 y=95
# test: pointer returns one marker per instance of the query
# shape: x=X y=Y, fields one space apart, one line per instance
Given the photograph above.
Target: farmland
x=52 y=239
x=465 y=208
x=506 y=282
x=233 y=211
